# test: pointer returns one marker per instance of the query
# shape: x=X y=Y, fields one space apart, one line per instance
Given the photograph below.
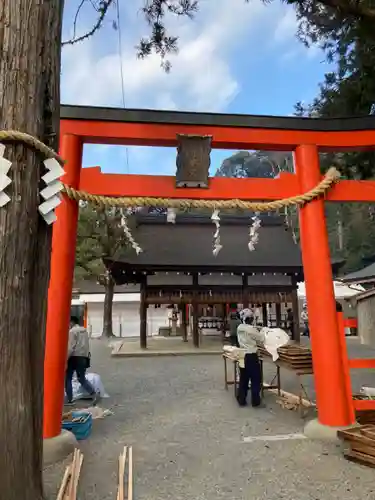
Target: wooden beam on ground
x=293 y=397
x=69 y=484
x=121 y=474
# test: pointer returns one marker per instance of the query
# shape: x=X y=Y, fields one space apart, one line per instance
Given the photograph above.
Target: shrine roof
x=188 y=245
x=366 y=274
x=88 y=287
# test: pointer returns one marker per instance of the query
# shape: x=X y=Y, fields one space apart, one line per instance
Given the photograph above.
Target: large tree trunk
x=109 y=289
x=29 y=90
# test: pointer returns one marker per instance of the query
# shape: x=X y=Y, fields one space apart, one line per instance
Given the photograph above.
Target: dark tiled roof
x=365 y=274
x=188 y=244
x=89 y=286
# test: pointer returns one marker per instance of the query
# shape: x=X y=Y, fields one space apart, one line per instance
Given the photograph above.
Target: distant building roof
x=91 y=286
x=341 y=290
x=367 y=274
x=362 y=296
x=187 y=245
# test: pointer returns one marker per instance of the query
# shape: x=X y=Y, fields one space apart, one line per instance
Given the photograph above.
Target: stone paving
x=188 y=438
x=167 y=346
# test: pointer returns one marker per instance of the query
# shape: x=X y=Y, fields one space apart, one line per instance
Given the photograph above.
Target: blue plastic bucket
x=82 y=428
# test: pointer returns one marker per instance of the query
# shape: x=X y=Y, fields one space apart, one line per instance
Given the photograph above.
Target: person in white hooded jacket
x=249 y=337
x=78 y=360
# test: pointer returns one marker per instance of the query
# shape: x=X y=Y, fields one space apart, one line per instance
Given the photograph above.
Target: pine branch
x=349 y=8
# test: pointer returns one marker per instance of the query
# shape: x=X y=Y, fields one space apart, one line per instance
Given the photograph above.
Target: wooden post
x=184 y=323
x=60 y=290
x=334 y=409
x=296 y=332
x=245 y=291
x=278 y=315
x=224 y=318
x=195 y=312
x=143 y=317
x=264 y=314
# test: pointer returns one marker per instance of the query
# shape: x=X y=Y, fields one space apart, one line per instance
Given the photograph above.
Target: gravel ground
x=187 y=436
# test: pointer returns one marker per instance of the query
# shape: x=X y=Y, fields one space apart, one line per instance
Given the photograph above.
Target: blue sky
x=234 y=57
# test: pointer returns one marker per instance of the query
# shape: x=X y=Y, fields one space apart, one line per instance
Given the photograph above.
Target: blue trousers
x=250 y=373
x=77 y=364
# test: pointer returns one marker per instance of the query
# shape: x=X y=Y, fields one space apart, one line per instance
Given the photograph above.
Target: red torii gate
x=305 y=137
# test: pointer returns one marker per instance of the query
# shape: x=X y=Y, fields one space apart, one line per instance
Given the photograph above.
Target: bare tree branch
x=76 y=17
x=104 y=5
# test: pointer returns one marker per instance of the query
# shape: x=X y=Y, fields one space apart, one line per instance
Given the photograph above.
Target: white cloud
x=201 y=77
x=215 y=49
x=287 y=27
x=285 y=33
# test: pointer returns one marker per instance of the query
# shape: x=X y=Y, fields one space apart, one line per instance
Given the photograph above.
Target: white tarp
x=342 y=291
x=273 y=339
x=95 y=381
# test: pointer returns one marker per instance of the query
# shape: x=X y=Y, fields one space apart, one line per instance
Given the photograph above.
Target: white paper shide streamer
x=215 y=217
x=51 y=193
x=4 y=179
x=171 y=215
x=128 y=234
x=254 y=232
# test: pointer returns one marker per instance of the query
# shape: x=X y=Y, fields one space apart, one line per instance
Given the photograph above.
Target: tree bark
x=109 y=289
x=30 y=35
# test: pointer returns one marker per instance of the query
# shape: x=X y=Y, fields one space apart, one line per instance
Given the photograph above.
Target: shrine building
x=177 y=266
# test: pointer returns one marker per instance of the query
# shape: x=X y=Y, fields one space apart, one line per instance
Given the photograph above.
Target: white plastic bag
x=95 y=380
x=368 y=391
x=273 y=339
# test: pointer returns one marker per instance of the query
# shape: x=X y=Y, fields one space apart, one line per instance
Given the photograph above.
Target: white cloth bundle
x=95 y=380
x=273 y=339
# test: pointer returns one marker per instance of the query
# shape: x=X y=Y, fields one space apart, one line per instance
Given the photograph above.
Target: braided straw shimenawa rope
x=32 y=142
x=330 y=178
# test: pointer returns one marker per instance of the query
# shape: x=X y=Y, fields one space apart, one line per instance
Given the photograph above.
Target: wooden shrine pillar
x=194 y=311
x=264 y=314
x=184 y=322
x=245 y=291
x=224 y=319
x=60 y=290
x=296 y=331
x=143 y=318
x=329 y=373
x=278 y=315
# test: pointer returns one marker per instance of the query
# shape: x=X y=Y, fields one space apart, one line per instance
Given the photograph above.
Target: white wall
x=125 y=317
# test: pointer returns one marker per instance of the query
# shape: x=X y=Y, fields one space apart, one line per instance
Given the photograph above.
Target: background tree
x=262 y=164
x=351 y=227
x=100 y=235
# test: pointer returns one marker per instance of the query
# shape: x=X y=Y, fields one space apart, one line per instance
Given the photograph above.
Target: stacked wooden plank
x=361 y=444
x=69 y=484
x=121 y=495
x=297 y=357
x=364 y=417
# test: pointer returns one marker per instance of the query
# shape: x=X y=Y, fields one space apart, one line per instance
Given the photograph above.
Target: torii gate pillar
x=60 y=290
x=334 y=407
